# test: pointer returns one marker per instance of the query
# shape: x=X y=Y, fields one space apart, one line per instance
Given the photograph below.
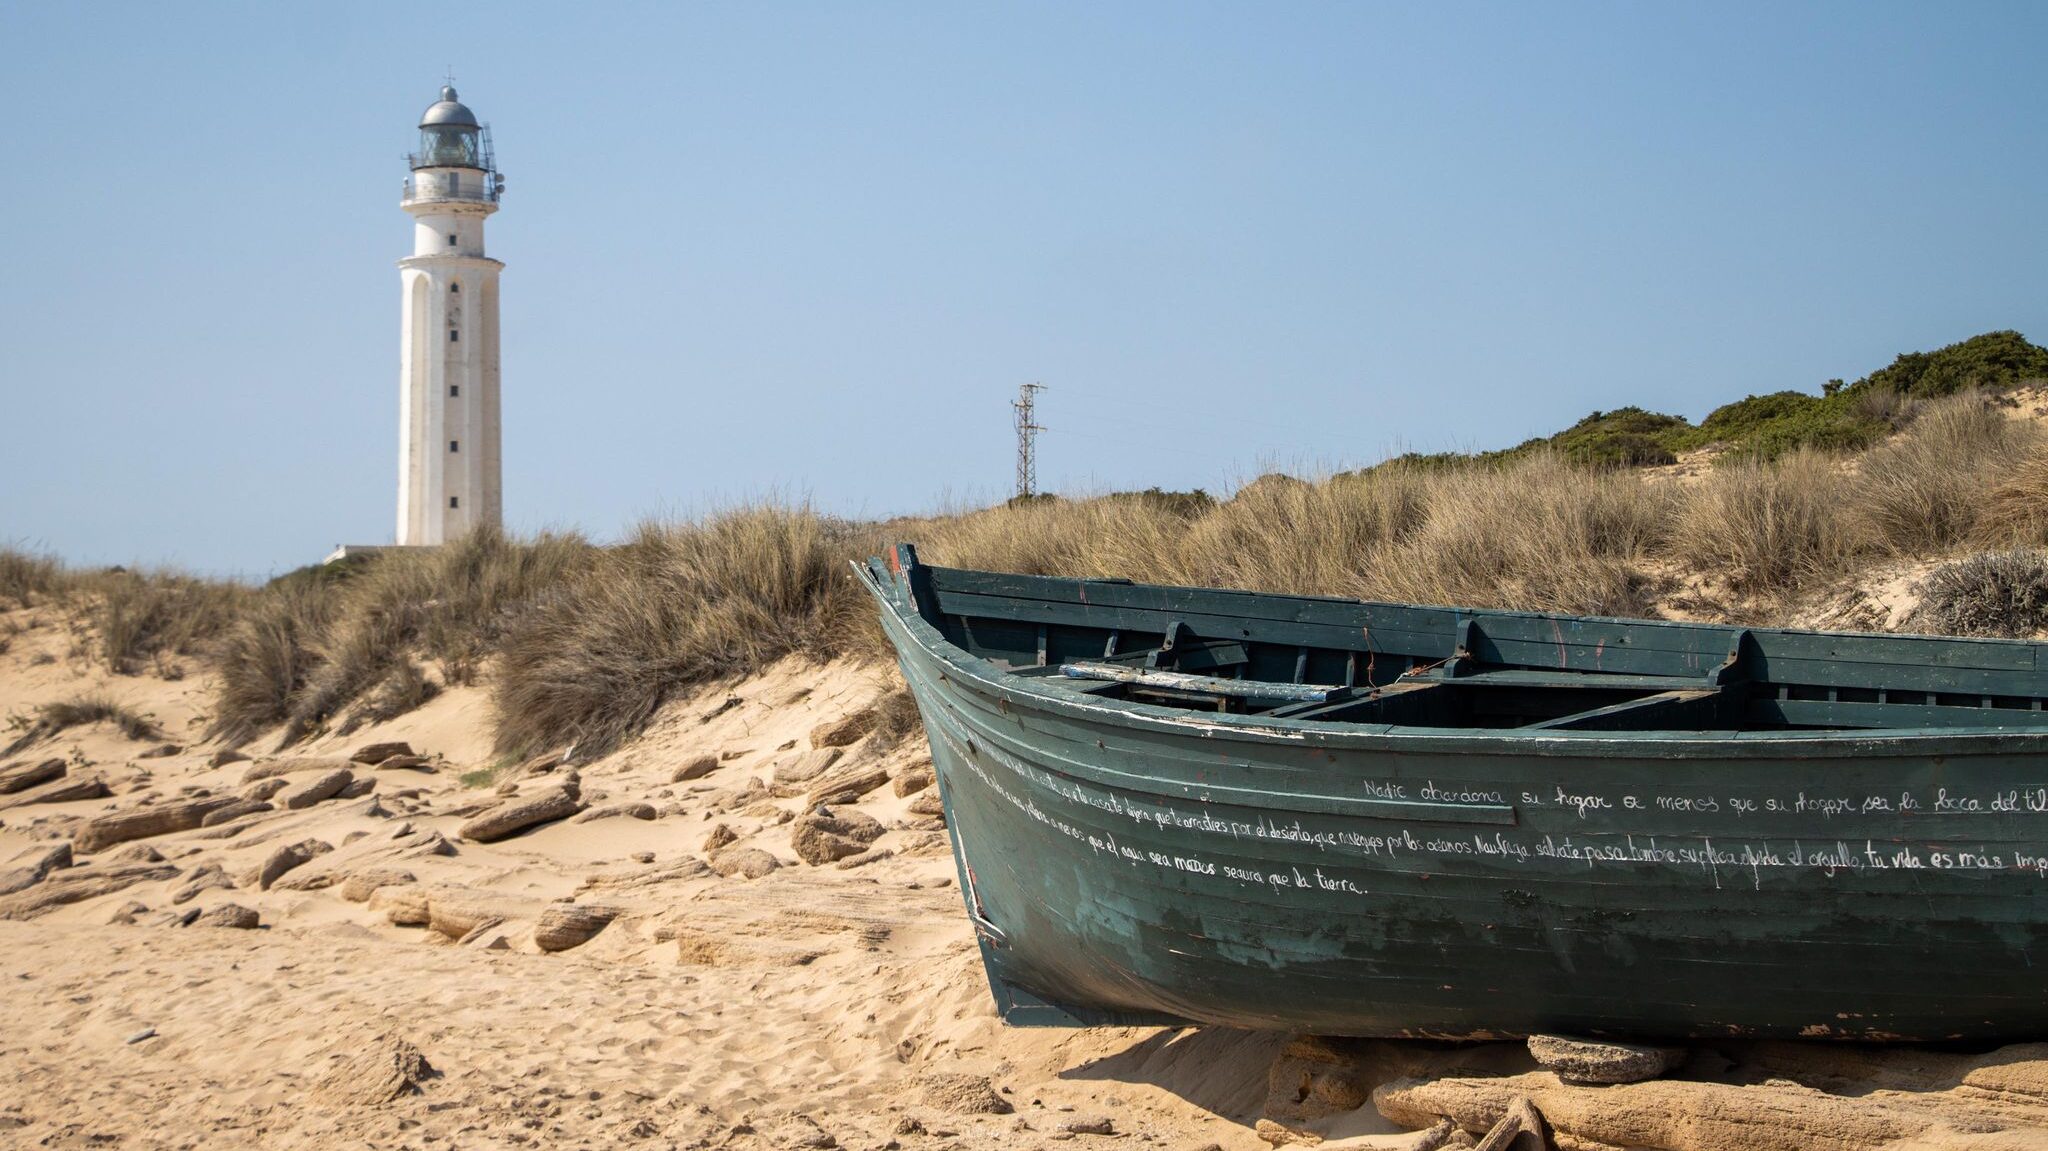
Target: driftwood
x=566 y=925
x=235 y=810
x=516 y=815
x=60 y=791
x=361 y=885
x=271 y=768
x=864 y=858
x=203 y=878
x=325 y=786
x=382 y=1071
x=81 y=883
x=687 y=867
x=229 y=915
x=841 y=732
x=1599 y=1061
x=915 y=779
x=144 y=822
x=377 y=753
x=402 y=906
x=266 y=788
x=847 y=786
x=1679 y=1116
x=614 y=810
x=697 y=768
x=1521 y=1119
x=284 y=859
x=30 y=867
x=751 y=862
x=22 y=776
x=804 y=767
x=457 y=912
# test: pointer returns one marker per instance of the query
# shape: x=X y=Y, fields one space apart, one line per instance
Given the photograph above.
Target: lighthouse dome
x=448 y=111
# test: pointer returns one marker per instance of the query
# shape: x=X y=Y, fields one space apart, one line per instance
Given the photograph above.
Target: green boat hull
x=1128 y=862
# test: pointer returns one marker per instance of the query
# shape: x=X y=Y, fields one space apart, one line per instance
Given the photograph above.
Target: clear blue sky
x=813 y=250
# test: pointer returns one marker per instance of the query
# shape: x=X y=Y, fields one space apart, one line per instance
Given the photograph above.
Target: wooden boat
x=1181 y=805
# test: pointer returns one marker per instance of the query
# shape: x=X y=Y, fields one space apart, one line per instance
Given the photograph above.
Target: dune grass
x=50 y=719
x=1922 y=492
x=28 y=576
x=134 y=618
x=676 y=605
x=309 y=647
x=581 y=644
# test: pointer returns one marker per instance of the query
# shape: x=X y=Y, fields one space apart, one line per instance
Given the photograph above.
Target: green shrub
x=1993 y=360
x=1625 y=437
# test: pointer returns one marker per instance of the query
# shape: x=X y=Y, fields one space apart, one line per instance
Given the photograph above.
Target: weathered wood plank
x=1670 y=710
x=1213 y=685
x=1826 y=713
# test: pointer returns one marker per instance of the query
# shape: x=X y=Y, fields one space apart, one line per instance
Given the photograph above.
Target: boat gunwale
x=1051 y=693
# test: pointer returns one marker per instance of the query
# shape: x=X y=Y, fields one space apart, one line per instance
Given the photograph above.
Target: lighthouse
x=448 y=416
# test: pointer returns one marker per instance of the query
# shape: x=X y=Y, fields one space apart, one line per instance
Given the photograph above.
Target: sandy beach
x=812 y=1002
x=409 y=984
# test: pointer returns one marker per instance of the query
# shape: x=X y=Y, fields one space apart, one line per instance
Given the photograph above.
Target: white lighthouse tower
x=448 y=467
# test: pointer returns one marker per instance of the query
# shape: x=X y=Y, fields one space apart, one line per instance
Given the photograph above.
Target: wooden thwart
x=1208 y=684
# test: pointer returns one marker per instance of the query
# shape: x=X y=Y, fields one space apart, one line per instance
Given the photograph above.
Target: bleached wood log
x=81 y=883
x=145 y=822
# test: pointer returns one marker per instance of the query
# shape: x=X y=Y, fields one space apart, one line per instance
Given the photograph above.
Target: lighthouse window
x=454 y=501
x=454 y=445
x=454 y=390
x=453 y=335
x=451 y=238
x=455 y=288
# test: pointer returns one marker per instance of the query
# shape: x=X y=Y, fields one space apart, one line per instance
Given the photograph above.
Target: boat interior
x=1345 y=661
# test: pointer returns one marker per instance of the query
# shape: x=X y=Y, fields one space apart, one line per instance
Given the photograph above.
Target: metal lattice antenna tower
x=1027 y=439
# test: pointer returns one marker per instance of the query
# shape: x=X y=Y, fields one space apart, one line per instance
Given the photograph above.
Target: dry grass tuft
x=1768 y=528
x=1923 y=491
x=677 y=605
x=2013 y=511
x=1993 y=594
x=315 y=642
x=137 y=616
x=52 y=718
x=267 y=658
x=137 y=619
x=451 y=603
x=1540 y=534
x=1285 y=535
x=27 y=576
x=896 y=719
